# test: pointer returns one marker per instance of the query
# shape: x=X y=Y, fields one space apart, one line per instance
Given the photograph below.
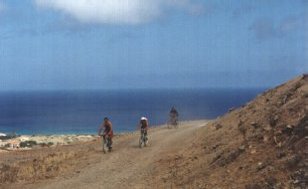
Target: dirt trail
x=128 y=166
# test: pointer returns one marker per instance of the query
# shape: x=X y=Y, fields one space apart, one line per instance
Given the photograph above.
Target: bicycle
x=143 y=141
x=173 y=121
x=106 y=143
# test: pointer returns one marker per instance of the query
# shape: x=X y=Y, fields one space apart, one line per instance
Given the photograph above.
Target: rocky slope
x=260 y=145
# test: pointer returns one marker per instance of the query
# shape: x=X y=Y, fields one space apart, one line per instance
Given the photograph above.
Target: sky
x=120 y=44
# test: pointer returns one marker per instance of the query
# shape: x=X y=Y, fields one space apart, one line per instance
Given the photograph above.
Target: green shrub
x=28 y=143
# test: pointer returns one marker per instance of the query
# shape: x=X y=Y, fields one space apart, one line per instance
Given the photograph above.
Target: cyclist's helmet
x=143 y=119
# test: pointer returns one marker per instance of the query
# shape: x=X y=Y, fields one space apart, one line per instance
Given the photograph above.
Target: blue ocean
x=81 y=112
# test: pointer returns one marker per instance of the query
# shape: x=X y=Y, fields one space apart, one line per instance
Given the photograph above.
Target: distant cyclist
x=173 y=117
x=105 y=130
x=143 y=126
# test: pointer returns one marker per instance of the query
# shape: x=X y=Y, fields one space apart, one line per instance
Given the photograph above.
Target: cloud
x=290 y=24
x=243 y=10
x=2 y=7
x=293 y=23
x=264 y=28
x=118 y=11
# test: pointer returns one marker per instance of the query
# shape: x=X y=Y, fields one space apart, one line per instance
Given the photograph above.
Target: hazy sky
x=102 y=44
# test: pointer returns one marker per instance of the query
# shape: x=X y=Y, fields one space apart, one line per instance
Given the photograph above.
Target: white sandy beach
x=41 y=140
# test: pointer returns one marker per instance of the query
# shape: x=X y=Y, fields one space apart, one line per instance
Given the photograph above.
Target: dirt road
x=128 y=166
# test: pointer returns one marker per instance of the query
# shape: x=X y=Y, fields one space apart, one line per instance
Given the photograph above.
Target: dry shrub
x=46 y=166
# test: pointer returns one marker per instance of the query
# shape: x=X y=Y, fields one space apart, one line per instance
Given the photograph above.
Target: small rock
x=228 y=158
x=296 y=181
x=290 y=126
x=242 y=148
x=217 y=157
x=268 y=128
x=253 y=151
x=258 y=134
x=288 y=130
x=293 y=161
x=272 y=183
x=273 y=120
x=265 y=138
x=242 y=128
x=280 y=155
x=254 y=124
x=260 y=166
x=215 y=146
x=218 y=126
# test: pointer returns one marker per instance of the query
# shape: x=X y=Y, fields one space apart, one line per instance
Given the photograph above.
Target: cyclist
x=173 y=114
x=106 y=130
x=143 y=126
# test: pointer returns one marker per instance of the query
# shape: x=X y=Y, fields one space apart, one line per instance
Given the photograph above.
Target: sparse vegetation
x=28 y=144
x=41 y=164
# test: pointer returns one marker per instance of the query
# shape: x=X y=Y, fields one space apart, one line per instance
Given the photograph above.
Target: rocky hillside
x=262 y=145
